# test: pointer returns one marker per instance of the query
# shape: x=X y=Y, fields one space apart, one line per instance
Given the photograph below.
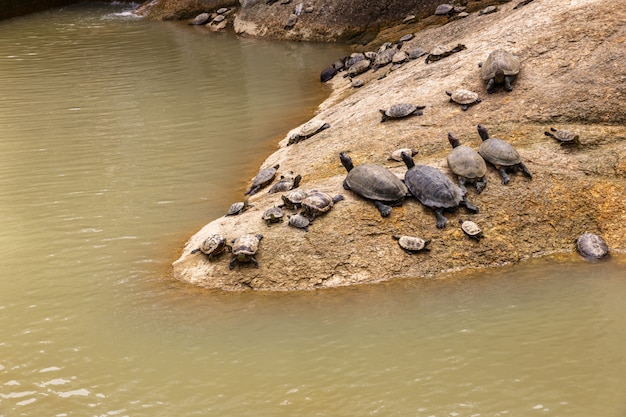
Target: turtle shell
x=443 y=9
x=375 y=182
x=402 y=110
x=273 y=215
x=237 y=208
x=353 y=59
x=318 y=202
x=470 y=228
x=212 y=246
x=399 y=57
x=294 y=198
x=219 y=18
x=562 y=135
x=200 y=19
x=246 y=244
x=299 y=221
x=416 y=53
x=384 y=57
x=432 y=188
x=499 y=152
x=412 y=243
x=264 y=177
x=592 y=246
x=222 y=10
x=466 y=162
x=463 y=96
x=500 y=60
x=359 y=67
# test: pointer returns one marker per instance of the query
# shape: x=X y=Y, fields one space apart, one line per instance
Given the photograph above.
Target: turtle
x=488 y=10
x=263 y=178
x=328 y=73
x=200 y=19
x=441 y=52
x=501 y=67
x=213 y=246
x=273 y=215
x=444 y=9
x=238 y=207
x=358 y=68
x=591 y=246
x=502 y=155
x=464 y=97
x=219 y=18
x=291 y=21
x=293 y=199
x=412 y=244
x=433 y=189
x=467 y=165
x=399 y=57
x=307 y=130
x=398 y=111
x=383 y=58
x=375 y=183
x=397 y=154
x=405 y=38
x=300 y=222
x=416 y=53
x=563 y=136
x=244 y=248
x=471 y=229
x=353 y=59
x=222 y=10
x=286 y=182
x=357 y=82
x=318 y=202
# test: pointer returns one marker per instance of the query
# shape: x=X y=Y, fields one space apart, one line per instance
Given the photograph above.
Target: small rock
x=357 y=82
x=309 y=9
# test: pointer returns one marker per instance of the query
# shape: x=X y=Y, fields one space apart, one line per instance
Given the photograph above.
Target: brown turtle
x=501 y=67
x=401 y=110
x=502 y=155
x=467 y=165
x=464 y=97
x=263 y=178
x=412 y=244
x=213 y=246
x=564 y=137
x=244 y=248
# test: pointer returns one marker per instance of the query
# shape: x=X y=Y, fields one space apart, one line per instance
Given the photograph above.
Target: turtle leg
x=504 y=175
x=384 y=209
x=345 y=185
x=507 y=83
x=462 y=185
x=232 y=262
x=254 y=261
x=464 y=107
x=468 y=205
x=491 y=85
x=481 y=184
x=441 y=220
x=525 y=170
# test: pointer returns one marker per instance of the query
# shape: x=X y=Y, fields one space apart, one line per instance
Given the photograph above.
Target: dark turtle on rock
x=300 y=222
x=501 y=67
x=563 y=136
x=433 y=189
x=397 y=154
x=238 y=208
x=273 y=215
x=441 y=52
x=375 y=183
x=471 y=229
x=318 y=202
x=502 y=155
x=467 y=165
x=293 y=199
x=213 y=246
x=464 y=97
x=591 y=246
x=328 y=73
x=310 y=128
x=401 y=110
x=412 y=244
x=244 y=248
x=263 y=178
x=286 y=182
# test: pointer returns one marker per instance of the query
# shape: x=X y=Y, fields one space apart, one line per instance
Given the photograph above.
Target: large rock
x=572 y=77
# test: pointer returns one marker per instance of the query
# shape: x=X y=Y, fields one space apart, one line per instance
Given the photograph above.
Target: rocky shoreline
x=572 y=77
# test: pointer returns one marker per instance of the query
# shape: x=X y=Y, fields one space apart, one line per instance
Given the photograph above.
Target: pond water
x=119 y=138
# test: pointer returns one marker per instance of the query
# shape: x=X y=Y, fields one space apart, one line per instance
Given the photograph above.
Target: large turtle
x=412 y=244
x=500 y=154
x=318 y=202
x=433 y=189
x=375 y=183
x=401 y=110
x=591 y=246
x=307 y=130
x=244 y=248
x=563 y=136
x=467 y=165
x=263 y=178
x=213 y=246
x=501 y=67
x=464 y=97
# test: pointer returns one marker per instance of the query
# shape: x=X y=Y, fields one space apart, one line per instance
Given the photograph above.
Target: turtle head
x=454 y=141
x=408 y=160
x=296 y=181
x=346 y=161
x=482 y=131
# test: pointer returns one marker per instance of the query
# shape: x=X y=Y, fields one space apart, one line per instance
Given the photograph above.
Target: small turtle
x=502 y=155
x=398 y=111
x=444 y=9
x=286 y=182
x=488 y=10
x=591 y=246
x=467 y=165
x=263 y=178
x=433 y=189
x=244 y=248
x=441 y=52
x=358 y=68
x=397 y=154
x=412 y=244
x=307 y=130
x=293 y=199
x=318 y=202
x=300 y=222
x=238 y=207
x=564 y=137
x=213 y=246
x=273 y=215
x=357 y=82
x=375 y=183
x=219 y=18
x=501 y=67
x=464 y=97
x=471 y=229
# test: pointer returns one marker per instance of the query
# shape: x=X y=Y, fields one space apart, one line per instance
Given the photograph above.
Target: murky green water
x=119 y=138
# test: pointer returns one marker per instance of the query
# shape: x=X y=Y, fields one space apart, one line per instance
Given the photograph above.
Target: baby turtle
x=375 y=183
x=591 y=246
x=464 y=97
x=412 y=244
x=441 y=52
x=299 y=221
x=471 y=229
x=467 y=165
x=293 y=199
x=273 y=215
x=502 y=155
x=318 y=202
x=433 y=189
x=244 y=248
x=397 y=154
x=398 y=111
x=286 y=182
x=263 y=178
x=307 y=130
x=238 y=207
x=501 y=67
x=563 y=136
x=213 y=246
